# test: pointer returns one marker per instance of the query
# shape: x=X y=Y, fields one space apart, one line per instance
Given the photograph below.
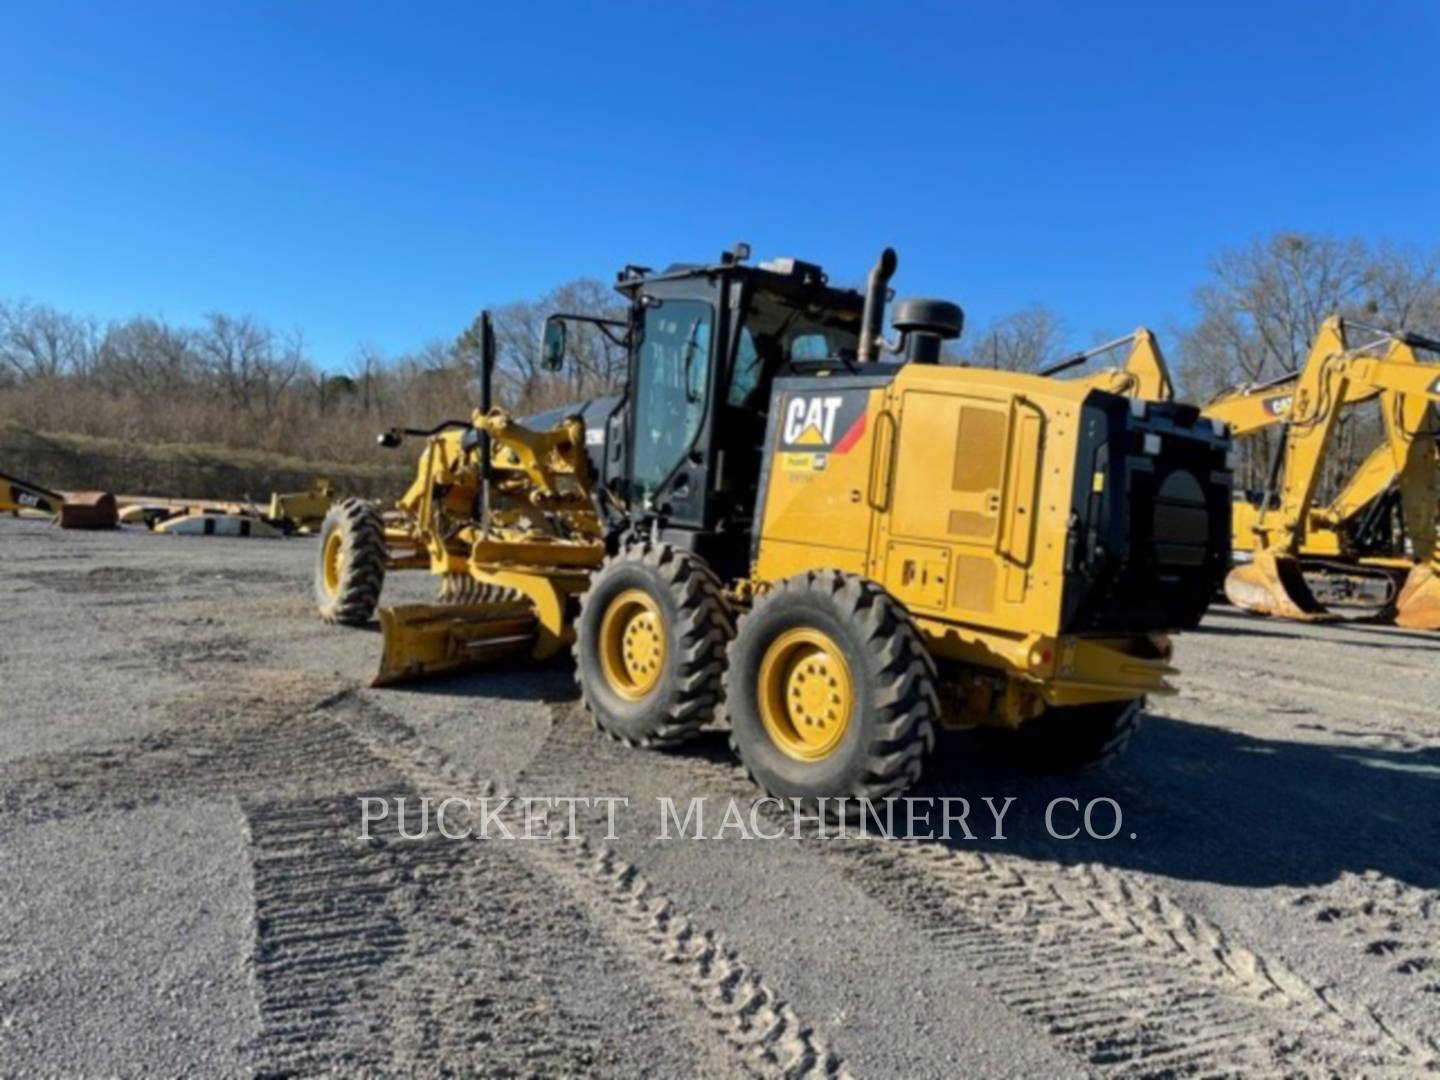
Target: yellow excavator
x=1336 y=531
x=18 y=495
x=822 y=536
x=1378 y=535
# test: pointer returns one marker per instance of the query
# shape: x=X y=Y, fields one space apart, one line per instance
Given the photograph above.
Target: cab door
x=670 y=386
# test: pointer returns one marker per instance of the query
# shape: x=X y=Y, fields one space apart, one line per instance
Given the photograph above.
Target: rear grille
x=1180 y=530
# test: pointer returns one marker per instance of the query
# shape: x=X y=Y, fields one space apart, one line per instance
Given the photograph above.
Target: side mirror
x=552 y=344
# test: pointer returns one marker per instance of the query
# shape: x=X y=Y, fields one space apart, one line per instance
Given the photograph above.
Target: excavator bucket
x=1272 y=584
x=427 y=639
x=1418 y=605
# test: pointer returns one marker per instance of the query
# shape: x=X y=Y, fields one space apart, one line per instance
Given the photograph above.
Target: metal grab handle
x=1010 y=482
x=882 y=462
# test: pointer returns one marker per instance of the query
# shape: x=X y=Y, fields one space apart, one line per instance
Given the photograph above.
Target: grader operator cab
x=828 y=539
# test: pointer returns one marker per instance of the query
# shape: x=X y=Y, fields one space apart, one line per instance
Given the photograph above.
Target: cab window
x=670 y=389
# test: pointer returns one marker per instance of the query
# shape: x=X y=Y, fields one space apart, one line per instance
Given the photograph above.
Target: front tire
x=351 y=569
x=650 y=645
x=830 y=691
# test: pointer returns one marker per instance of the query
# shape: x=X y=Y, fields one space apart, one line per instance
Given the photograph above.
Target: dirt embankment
x=71 y=462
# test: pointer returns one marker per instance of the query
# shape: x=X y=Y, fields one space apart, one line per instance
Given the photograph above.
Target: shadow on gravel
x=1208 y=804
x=550 y=683
x=1204 y=803
x=1384 y=636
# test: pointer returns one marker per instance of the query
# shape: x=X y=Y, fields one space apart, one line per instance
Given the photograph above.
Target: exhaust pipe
x=872 y=322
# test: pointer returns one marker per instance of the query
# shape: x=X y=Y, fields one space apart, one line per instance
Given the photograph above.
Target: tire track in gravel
x=1283 y=693
x=215 y=745
x=693 y=965
x=1123 y=975
x=1116 y=971
x=1377 y=834
x=378 y=957
x=1366 y=889
x=381 y=956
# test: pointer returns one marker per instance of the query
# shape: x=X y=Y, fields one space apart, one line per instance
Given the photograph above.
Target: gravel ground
x=184 y=886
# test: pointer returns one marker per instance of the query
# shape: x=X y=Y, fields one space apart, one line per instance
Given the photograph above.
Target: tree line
x=233 y=380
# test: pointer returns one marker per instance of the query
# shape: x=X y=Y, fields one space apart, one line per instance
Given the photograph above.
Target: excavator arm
x=17 y=495
x=1334 y=377
x=1248 y=409
x=1144 y=374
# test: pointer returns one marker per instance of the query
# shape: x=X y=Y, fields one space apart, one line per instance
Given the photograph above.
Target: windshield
x=779 y=329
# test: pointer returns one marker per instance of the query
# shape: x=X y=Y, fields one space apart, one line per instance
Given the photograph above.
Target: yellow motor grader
x=1377 y=536
x=826 y=539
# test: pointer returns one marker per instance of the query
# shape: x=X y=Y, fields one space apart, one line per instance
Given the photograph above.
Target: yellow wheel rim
x=632 y=644
x=332 y=562
x=806 y=694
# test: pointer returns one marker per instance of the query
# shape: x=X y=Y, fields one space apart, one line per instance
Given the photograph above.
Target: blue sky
x=377 y=173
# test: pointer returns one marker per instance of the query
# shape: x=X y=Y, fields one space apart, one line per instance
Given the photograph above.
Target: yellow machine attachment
x=303 y=511
x=1273 y=583
x=513 y=544
x=18 y=495
x=1144 y=375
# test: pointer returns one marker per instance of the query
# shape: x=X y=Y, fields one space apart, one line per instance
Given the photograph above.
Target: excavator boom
x=1335 y=376
x=17 y=495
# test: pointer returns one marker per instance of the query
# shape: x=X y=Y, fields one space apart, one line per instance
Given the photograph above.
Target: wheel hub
x=333 y=562
x=632 y=644
x=806 y=694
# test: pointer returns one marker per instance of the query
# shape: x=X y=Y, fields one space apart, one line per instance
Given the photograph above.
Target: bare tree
x=1263 y=304
x=38 y=342
x=366 y=367
x=146 y=355
x=596 y=364
x=1021 y=341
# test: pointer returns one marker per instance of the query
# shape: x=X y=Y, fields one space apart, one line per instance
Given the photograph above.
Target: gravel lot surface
x=184 y=886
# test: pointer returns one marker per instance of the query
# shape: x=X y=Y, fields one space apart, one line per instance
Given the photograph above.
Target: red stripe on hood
x=851 y=437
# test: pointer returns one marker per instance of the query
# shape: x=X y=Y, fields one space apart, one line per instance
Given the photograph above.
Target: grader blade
x=427 y=639
x=1273 y=585
x=1418 y=605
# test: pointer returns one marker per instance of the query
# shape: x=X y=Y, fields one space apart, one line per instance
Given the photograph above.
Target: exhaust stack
x=872 y=322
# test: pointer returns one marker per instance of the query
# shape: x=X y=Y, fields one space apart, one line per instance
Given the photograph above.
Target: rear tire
x=1072 y=738
x=350 y=571
x=650 y=645
x=830 y=691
